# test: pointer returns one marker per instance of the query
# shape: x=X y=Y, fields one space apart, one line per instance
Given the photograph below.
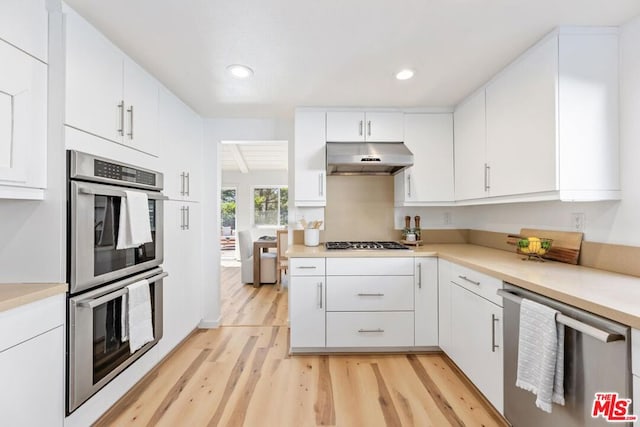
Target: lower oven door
x=97 y=351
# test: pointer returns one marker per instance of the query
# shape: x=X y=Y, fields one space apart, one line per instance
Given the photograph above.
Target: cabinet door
x=521 y=124
x=24 y=24
x=384 y=127
x=444 y=308
x=430 y=139
x=345 y=126
x=32 y=388
x=141 y=108
x=173 y=140
x=469 y=148
x=23 y=118
x=310 y=159
x=426 y=302
x=477 y=342
x=307 y=311
x=93 y=81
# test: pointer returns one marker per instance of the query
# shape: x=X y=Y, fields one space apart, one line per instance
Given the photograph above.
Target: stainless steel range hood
x=367 y=158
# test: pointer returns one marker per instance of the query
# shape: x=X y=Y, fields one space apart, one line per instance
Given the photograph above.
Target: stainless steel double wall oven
x=98 y=273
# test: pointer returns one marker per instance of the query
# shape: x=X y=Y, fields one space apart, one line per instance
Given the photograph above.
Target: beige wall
x=359 y=208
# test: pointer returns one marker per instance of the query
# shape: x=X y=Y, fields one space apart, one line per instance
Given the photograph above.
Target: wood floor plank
x=324 y=407
x=389 y=411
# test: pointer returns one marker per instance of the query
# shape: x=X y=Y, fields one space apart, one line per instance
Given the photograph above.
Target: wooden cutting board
x=565 y=247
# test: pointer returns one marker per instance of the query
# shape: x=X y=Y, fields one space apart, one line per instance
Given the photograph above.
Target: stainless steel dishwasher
x=597 y=359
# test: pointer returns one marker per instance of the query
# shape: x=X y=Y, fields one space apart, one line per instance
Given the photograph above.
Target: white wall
x=609 y=222
x=243 y=183
x=216 y=130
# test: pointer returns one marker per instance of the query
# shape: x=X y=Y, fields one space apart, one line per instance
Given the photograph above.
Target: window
x=270 y=206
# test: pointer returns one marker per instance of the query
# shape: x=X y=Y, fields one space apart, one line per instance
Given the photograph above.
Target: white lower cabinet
x=476 y=341
x=426 y=302
x=32 y=364
x=369 y=293
x=307 y=310
x=444 y=306
x=182 y=260
x=370 y=329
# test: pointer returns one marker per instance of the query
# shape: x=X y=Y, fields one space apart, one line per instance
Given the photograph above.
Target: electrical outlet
x=447 y=218
x=577 y=221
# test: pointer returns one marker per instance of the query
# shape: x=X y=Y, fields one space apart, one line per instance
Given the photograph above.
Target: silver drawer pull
x=307 y=267
x=370 y=330
x=469 y=280
x=370 y=295
x=494 y=320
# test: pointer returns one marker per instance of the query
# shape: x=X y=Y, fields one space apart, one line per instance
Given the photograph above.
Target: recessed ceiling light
x=239 y=71
x=405 y=74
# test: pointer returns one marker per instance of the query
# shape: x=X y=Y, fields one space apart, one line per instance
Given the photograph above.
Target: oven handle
x=118 y=193
x=579 y=326
x=92 y=303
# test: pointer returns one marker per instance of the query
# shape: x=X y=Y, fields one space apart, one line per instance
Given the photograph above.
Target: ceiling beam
x=237 y=156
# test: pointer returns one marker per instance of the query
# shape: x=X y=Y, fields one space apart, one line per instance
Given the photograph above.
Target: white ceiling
x=333 y=52
x=252 y=156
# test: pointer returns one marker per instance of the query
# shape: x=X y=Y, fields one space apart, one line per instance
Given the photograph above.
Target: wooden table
x=259 y=246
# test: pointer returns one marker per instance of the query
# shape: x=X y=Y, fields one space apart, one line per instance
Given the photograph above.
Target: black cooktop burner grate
x=364 y=245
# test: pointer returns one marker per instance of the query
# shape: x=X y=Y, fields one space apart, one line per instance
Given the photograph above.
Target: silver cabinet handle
x=408 y=184
x=487 y=177
x=494 y=320
x=370 y=330
x=188 y=179
x=307 y=267
x=121 y=116
x=370 y=295
x=130 y=111
x=361 y=127
x=182 y=222
x=321 y=184
x=469 y=280
x=419 y=275
x=182 y=184
x=188 y=218
x=319 y=294
x=369 y=128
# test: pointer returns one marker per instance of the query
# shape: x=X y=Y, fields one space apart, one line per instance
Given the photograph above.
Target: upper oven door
x=94 y=225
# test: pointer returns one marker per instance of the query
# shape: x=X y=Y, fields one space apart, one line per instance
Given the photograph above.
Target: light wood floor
x=244 y=376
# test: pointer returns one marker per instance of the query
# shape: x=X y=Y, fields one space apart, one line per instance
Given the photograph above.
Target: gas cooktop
x=364 y=245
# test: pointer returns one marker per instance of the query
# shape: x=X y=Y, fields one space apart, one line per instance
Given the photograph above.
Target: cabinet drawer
x=370 y=329
x=476 y=282
x=370 y=266
x=306 y=266
x=369 y=293
x=635 y=355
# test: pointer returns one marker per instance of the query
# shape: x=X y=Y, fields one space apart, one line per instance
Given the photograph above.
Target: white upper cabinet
x=310 y=159
x=521 y=124
x=551 y=122
x=181 y=138
x=107 y=94
x=23 y=124
x=24 y=23
x=354 y=126
x=470 y=148
x=429 y=136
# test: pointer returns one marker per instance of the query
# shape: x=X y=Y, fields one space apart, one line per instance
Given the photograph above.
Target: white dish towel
x=134 y=229
x=541 y=354
x=139 y=313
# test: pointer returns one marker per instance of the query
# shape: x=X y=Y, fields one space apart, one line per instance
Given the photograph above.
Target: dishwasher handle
x=579 y=326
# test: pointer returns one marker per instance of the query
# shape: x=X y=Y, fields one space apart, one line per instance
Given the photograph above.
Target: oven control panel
x=123 y=173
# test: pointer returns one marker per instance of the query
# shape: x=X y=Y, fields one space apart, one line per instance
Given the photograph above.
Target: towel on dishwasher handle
x=541 y=354
x=134 y=228
x=139 y=311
